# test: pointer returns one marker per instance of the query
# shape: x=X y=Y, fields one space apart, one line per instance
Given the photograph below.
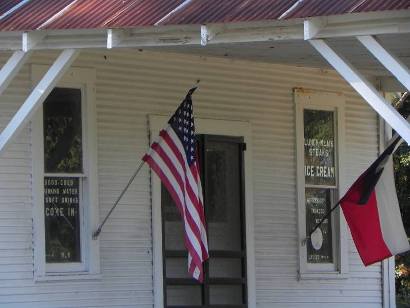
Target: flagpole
x=323 y=219
x=98 y=231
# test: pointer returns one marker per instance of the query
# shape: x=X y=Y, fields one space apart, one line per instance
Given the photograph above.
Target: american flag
x=173 y=159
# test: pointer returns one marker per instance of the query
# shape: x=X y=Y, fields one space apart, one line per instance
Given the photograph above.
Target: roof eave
x=391 y=22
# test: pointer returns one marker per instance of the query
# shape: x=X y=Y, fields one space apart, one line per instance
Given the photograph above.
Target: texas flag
x=372 y=211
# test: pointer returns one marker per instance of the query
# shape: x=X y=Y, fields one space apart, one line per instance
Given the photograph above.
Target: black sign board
x=319 y=145
x=319 y=248
x=62 y=219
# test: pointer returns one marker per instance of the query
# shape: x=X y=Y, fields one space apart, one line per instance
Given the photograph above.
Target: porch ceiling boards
x=102 y=14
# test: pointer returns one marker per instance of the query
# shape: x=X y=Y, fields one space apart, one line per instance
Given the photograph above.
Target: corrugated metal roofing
x=103 y=13
x=217 y=11
x=380 y=5
x=337 y=7
x=6 y=5
x=97 y=14
x=33 y=14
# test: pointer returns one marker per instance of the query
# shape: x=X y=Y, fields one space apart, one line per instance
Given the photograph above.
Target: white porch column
x=37 y=96
x=364 y=88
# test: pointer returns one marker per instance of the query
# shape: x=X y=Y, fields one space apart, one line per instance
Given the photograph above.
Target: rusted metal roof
x=33 y=14
x=321 y=8
x=6 y=5
x=313 y=8
x=114 y=14
x=217 y=11
x=143 y=13
x=381 y=5
x=99 y=14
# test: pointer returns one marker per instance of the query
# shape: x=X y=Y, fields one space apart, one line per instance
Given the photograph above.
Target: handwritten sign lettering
x=62 y=219
x=317 y=205
x=319 y=145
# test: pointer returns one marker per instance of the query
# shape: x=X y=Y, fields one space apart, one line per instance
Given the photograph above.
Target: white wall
x=131 y=85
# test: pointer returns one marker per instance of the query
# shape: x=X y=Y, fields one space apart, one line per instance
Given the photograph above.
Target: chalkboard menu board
x=62 y=219
x=319 y=144
x=319 y=248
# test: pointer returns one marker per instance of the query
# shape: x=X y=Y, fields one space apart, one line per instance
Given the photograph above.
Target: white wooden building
x=311 y=123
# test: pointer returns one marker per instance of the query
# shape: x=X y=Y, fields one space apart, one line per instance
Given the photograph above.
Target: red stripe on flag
x=168 y=185
x=164 y=134
x=364 y=224
x=183 y=213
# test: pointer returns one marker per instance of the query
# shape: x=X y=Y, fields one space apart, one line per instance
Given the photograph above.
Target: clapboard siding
x=129 y=86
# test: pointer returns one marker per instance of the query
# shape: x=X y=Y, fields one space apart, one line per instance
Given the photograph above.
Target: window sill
x=50 y=277
x=322 y=276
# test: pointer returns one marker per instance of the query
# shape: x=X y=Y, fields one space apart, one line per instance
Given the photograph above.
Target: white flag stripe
x=192 y=183
x=177 y=142
x=167 y=172
x=190 y=206
x=175 y=162
x=391 y=222
x=169 y=175
x=171 y=155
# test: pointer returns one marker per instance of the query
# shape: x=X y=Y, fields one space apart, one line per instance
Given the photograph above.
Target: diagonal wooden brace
x=11 y=68
x=364 y=88
x=37 y=96
x=389 y=61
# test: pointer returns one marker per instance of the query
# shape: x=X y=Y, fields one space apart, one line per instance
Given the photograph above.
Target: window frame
x=83 y=79
x=209 y=127
x=327 y=101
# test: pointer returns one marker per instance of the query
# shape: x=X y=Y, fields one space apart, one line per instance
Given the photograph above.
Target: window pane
x=225 y=268
x=177 y=268
x=63 y=131
x=173 y=227
x=226 y=295
x=184 y=295
x=62 y=219
x=319 y=147
x=319 y=247
x=223 y=196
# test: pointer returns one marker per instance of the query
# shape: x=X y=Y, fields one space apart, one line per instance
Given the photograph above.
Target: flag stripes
x=172 y=158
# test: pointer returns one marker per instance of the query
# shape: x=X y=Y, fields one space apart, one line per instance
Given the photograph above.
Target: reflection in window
x=63 y=131
x=63 y=154
x=320 y=181
x=318 y=204
x=62 y=219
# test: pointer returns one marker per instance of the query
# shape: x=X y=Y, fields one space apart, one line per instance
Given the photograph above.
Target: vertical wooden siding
x=131 y=85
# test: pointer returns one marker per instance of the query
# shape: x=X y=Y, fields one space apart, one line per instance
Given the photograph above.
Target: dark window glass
x=63 y=131
x=320 y=180
x=226 y=295
x=62 y=219
x=222 y=194
x=221 y=160
x=319 y=143
x=318 y=203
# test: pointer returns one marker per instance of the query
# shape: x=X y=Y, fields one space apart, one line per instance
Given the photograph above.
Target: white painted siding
x=131 y=85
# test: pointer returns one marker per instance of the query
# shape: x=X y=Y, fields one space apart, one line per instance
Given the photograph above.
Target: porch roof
x=28 y=15
x=281 y=31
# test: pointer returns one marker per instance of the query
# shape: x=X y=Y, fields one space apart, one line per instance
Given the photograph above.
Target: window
x=225 y=272
x=64 y=180
x=63 y=175
x=230 y=272
x=319 y=117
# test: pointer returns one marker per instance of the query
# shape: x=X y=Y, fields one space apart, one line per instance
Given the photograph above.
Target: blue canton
x=183 y=124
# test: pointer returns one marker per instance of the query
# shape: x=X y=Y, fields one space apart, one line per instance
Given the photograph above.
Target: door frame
x=211 y=127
